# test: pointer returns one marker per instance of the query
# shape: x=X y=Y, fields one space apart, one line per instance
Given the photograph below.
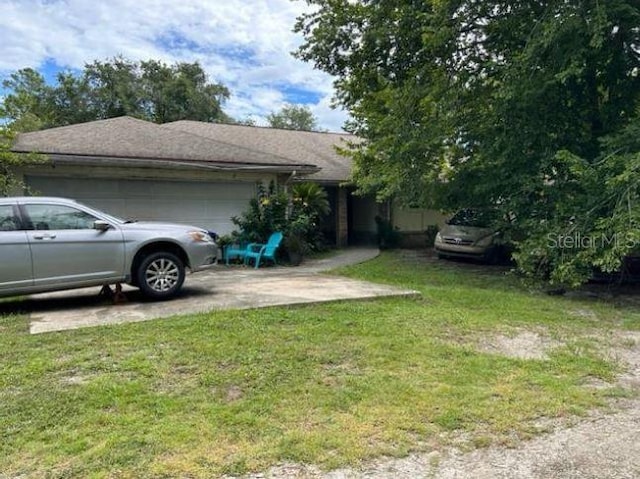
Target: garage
x=209 y=205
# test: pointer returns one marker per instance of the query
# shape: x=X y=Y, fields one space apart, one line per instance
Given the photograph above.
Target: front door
x=67 y=250
x=15 y=257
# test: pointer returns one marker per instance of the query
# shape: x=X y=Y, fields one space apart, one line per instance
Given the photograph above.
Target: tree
x=150 y=90
x=514 y=105
x=311 y=199
x=9 y=181
x=181 y=92
x=29 y=105
x=309 y=205
x=293 y=117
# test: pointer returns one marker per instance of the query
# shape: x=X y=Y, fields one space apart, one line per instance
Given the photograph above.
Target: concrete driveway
x=222 y=287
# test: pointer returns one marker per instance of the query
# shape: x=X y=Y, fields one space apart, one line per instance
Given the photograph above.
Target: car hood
x=466 y=232
x=159 y=226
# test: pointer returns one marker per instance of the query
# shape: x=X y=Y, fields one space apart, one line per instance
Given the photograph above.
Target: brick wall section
x=342 y=218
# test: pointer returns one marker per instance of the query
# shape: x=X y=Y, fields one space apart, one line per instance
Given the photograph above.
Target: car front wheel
x=160 y=275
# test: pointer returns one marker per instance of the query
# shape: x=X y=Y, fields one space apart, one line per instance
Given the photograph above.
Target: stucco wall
x=416 y=219
x=208 y=199
x=413 y=223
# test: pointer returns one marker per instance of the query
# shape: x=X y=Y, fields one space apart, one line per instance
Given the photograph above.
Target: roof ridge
x=112 y=119
x=260 y=127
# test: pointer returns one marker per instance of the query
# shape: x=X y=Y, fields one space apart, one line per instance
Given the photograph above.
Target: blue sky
x=244 y=44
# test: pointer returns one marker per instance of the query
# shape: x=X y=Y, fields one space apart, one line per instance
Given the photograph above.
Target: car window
x=473 y=218
x=59 y=217
x=8 y=222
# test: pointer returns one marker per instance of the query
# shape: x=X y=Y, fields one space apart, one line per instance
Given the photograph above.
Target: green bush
x=297 y=216
x=388 y=236
x=430 y=233
x=266 y=214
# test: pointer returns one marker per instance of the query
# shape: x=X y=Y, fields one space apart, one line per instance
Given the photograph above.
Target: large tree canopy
x=293 y=117
x=150 y=90
x=10 y=182
x=527 y=106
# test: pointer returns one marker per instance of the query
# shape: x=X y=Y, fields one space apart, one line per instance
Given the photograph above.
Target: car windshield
x=115 y=219
x=107 y=216
x=473 y=218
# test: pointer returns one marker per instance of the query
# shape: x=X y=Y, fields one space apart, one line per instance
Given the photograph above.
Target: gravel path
x=603 y=447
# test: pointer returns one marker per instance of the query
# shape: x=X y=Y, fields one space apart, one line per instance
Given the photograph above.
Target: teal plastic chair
x=260 y=252
x=235 y=251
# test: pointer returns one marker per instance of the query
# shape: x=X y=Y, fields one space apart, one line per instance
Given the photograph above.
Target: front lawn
x=329 y=384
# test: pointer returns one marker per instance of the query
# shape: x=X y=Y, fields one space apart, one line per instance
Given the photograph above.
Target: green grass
x=333 y=384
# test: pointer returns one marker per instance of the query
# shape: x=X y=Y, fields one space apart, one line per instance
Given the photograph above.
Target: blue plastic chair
x=235 y=251
x=259 y=251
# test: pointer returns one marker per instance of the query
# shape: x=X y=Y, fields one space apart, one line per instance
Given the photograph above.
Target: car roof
x=36 y=199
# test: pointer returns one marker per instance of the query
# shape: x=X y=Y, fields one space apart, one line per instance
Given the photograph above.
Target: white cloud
x=329 y=118
x=244 y=44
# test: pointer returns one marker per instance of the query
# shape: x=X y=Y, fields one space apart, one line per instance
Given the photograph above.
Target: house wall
x=203 y=198
x=354 y=224
x=413 y=222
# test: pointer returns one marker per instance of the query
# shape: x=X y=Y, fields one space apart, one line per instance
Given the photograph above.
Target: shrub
x=296 y=216
x=388 y=236
x=430 y=233
x=266 y=213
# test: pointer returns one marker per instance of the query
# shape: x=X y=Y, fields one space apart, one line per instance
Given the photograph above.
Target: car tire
x=160 y=275
x=495 y=255
x=441 y=256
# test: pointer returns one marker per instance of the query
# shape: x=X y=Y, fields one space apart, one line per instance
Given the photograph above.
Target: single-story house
x=199 y=173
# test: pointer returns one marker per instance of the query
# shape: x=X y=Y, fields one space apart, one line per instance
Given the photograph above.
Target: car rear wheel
x=160 y=275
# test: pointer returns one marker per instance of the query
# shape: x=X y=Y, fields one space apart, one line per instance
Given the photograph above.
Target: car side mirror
x=101 y=225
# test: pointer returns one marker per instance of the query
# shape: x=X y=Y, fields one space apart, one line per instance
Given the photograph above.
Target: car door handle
x=47 y=236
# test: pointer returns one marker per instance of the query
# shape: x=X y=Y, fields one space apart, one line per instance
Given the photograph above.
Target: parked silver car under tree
x=50 y=244
x=469 y=234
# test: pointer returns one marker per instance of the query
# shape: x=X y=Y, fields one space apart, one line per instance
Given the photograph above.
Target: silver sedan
x=49 y=244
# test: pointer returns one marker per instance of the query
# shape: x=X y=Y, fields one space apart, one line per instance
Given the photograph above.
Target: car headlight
x=486 y=241
x=438 y=237
x=201 y=236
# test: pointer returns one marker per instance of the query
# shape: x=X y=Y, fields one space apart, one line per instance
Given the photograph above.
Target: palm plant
x=311 y=198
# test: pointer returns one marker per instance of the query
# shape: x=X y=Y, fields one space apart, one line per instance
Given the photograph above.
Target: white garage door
x=208 y=205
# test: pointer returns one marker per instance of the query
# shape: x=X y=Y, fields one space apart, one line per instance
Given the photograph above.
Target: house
x=195 y=172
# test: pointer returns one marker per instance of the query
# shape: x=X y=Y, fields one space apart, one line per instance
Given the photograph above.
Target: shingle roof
x=127 y=137
x=304 y=147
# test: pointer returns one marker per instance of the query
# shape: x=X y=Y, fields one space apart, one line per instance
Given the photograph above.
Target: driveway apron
x=219 y=288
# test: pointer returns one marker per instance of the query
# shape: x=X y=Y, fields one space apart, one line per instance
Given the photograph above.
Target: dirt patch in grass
x=523 y=345
x=628 y=354
x=75 y=378
x=233 y=393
